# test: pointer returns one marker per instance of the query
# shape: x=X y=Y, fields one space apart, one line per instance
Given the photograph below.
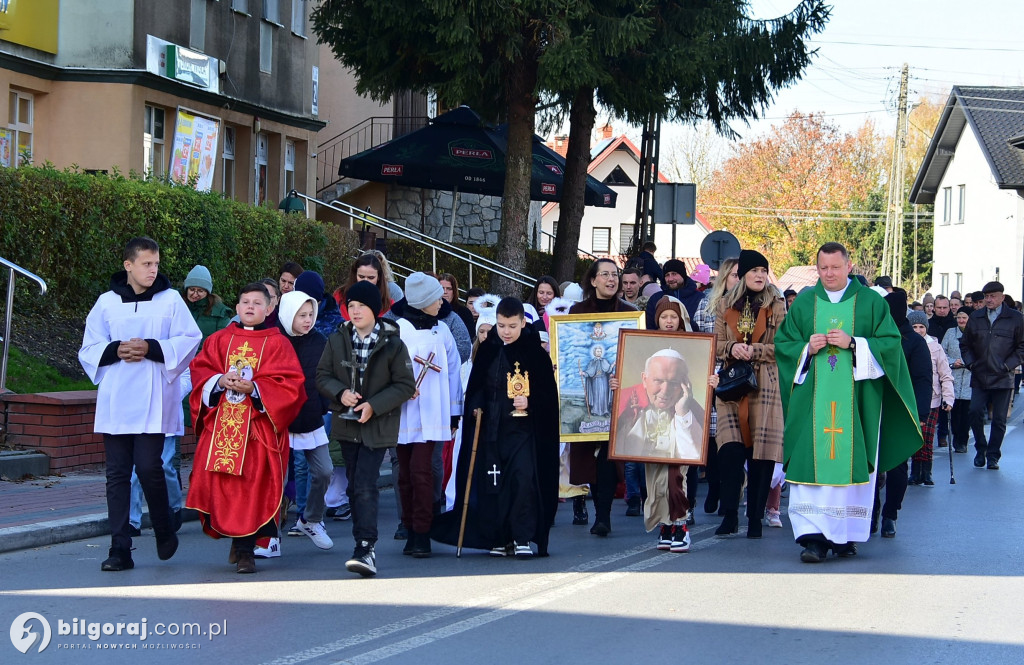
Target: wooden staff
x=469 y=481
x=586 y=402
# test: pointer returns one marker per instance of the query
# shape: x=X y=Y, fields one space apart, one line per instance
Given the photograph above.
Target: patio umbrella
x=458 y=152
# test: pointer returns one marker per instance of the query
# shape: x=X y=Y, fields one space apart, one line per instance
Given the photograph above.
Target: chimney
x=561 y=144
x=606 y=131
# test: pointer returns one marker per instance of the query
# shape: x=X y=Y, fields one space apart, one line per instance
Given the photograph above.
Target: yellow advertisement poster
x=195 y=150
x=31 y=23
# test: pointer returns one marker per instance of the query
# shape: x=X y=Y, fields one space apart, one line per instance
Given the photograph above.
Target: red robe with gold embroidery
x=241 y=457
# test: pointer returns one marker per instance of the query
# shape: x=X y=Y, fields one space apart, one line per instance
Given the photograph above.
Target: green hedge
x=70 y=228
x=418 y=257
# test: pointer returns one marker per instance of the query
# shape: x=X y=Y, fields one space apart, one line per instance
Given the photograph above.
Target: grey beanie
x=199 y=276
x=917 y=318
x=422 y=290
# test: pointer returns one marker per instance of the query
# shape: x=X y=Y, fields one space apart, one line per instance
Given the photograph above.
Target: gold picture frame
x=575 y=338
x=677 y=431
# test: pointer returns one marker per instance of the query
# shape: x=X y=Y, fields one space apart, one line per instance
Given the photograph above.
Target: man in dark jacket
x=647 y=264
x=992 y=348
x=942 y=318
x=677 y=285
x=919 y=363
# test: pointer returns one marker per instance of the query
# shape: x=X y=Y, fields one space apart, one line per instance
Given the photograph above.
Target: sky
x=856 y=72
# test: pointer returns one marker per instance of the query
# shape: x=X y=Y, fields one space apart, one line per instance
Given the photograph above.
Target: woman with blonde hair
x=749 y=428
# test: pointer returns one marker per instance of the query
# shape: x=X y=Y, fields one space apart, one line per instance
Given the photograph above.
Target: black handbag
x=735 y=381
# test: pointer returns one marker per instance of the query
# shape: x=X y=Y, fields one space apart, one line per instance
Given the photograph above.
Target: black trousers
x=607 y=481
x=362 y=467
x=731 y=457
x=143 y=452
x=895 y=490
x=980 y=400
x=961 y=423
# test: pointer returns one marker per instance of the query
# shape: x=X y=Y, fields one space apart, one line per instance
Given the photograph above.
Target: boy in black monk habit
x=514 y=493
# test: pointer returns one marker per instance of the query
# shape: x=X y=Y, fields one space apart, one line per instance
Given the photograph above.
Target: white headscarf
x=289 y=306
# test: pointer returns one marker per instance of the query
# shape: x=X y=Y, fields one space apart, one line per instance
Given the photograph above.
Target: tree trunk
x=515 y=204
x=574 y=184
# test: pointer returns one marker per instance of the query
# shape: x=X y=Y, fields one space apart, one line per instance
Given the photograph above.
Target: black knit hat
x=676 y=266
x=897 y=301
x=750 y=259
x=366 y=293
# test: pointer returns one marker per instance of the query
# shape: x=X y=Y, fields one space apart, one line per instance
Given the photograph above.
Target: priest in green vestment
x=849 y=406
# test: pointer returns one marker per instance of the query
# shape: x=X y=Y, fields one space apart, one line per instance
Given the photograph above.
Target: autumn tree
x=802 y=181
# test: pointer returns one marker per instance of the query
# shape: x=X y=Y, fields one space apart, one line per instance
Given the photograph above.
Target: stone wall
x=478 y=217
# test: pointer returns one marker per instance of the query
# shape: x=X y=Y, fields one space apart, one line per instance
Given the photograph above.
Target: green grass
x=28 y=374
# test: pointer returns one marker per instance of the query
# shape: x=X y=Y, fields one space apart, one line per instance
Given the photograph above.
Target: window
x=21 y=120
x=289 y=167
x=625 y=237
x=958 y=278
x=962 y=208
x=618 y=177
x=228 y=186
x=197 y=32
x=262 y=143
x=266 y=47
x=240 y=6
x=153 y=142
x=602 y=239
x=299 y=17
x=944 y=283
x=271 y=12
x=947 y=204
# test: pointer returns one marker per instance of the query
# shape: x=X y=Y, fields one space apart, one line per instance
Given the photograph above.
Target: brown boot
x=246 y=563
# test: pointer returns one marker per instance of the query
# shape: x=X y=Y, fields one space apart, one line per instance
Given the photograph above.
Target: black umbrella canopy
x=458 y=151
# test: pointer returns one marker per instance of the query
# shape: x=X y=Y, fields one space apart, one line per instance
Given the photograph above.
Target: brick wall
x=60 y=425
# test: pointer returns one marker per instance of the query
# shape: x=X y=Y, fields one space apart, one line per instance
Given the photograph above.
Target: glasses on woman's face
x=605 y=274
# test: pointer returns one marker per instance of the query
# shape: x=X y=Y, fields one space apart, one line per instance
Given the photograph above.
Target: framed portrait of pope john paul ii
x=584 y=350
x=662 y=409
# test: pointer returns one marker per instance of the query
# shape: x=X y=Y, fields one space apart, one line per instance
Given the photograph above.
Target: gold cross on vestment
x=833 y=431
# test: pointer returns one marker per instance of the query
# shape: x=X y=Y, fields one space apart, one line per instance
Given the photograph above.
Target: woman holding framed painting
x=749 y=426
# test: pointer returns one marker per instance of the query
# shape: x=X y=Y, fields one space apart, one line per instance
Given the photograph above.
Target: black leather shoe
x=580 y=517
x=118 y=560
x=979 y=460
x=600 y=529
x=165 y=548
x=845 y=550
x=421 y=546
x=993 y=465
x=402 y=533
x=633 y=507
x=814 y=552
x=888 y=528
x=754 y=529
x=729 y=526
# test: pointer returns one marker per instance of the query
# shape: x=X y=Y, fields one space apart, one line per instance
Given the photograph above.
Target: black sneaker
x=633 y=507
x=600 y=529
x=134 y=531
x=814 y=552
x=343 y=513
x=979 y=460
x=665 y=538
x=363 y=561
x=118 y=560
x=993 y=465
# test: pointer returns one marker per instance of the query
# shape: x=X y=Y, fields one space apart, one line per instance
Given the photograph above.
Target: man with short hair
x=139 y=338
x=955 y=303
x=679 y=286
x=942 y=318
x=289 y=272
x=992 y=347
x=631 y=285
x=849 y=404
x=885 y=282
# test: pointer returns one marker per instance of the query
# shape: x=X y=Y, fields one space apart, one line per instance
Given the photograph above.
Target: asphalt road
x=945 y=590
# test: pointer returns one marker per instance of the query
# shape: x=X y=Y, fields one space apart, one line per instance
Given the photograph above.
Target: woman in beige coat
x=749 y=429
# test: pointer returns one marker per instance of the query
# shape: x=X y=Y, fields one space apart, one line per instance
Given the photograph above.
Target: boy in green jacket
x=371 y=351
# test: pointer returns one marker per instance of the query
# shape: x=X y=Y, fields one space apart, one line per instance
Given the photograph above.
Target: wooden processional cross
x=428 y=364
x=833 y=431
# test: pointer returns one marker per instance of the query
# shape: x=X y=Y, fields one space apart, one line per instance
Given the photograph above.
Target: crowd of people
x=299 y=394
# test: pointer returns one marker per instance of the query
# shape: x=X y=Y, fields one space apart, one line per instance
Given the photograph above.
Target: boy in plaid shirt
x=374 y=351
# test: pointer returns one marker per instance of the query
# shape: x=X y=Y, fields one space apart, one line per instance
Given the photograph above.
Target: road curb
x=82 y=527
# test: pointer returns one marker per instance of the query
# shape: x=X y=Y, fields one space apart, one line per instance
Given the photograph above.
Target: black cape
x=482 y=528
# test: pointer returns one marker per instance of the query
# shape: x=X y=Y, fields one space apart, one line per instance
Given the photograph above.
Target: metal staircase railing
x=367 y=134
x=9 y=311
x=364 y=217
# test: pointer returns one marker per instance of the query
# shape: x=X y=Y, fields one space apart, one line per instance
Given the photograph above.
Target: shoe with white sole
x=774 y=518
x=523 y=551
x=343 y=513
x=680 y=539
x=665 y=538
x=317 y=533
x=363 y=561
x=296 y=530
x=271 y=551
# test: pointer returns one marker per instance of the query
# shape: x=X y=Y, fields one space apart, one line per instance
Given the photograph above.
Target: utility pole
x=892 y=251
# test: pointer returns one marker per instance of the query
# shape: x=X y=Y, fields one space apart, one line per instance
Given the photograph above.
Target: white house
x=974 y=174
x=608 y=231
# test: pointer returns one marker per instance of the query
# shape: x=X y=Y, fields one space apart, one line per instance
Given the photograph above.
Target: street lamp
x=292 y=203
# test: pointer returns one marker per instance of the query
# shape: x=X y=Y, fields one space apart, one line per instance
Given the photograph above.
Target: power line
x=801 y=210
x=927 y=46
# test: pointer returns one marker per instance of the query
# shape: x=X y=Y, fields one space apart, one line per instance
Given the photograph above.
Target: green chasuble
x=831 y=421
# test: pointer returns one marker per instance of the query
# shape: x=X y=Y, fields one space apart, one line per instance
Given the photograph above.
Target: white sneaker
x=680 y=539
x=296 y=530
x=523 y=551
x=774 y=518
x=499 y=551
x=317 y=533
x=271 y=551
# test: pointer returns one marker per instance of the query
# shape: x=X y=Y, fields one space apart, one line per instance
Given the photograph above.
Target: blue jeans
x=635 y=479
x=170 y=477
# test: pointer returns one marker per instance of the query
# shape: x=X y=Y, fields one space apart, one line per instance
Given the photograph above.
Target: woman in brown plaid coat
x=749 y=429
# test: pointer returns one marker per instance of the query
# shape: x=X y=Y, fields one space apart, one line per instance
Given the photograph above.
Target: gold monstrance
x=746 y=323
x=518 y=386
